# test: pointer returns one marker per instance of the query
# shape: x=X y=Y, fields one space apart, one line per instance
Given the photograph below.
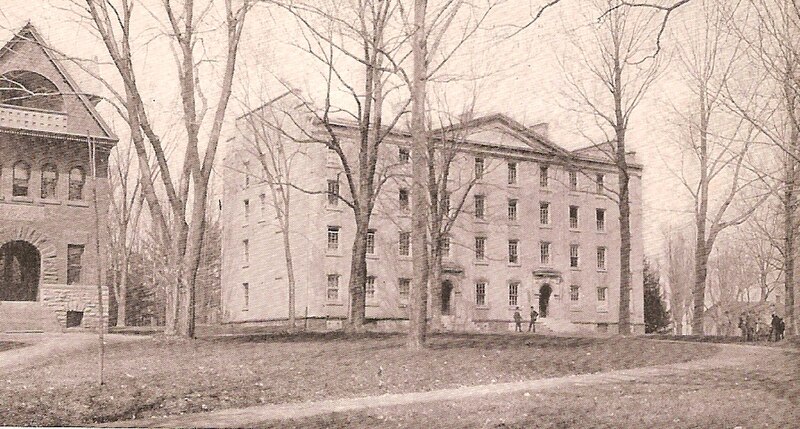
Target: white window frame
x=513 y=251
x=333 y=238
x=480 y=294
x=574 y=256
x=513 y=293
x=512 y=173
x=404 y=243
x=480 y=248
x=513 y=204
x=544 y=253
x=601 y=258
x=332 y=285
x=480 y=207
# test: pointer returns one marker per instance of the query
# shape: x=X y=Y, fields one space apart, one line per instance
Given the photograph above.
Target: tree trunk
x=435 y=286
x=789 y=248
x=123 y=292
x=287 y=251
x=358 y=276
x=419 y=215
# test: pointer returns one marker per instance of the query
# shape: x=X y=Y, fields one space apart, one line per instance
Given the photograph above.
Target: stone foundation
x=83 y=298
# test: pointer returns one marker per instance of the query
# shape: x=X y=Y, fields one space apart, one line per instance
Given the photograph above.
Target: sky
x=524 y=78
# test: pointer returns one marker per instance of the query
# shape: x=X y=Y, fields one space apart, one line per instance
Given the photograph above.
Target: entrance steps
x=26 y=316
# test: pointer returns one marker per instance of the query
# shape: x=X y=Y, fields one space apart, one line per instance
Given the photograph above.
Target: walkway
x=729 y=356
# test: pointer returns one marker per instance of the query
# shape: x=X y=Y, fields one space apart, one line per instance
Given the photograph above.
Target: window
x=445 y=204
x=600 y=214
x=333 y=238
x=333 y=193
x=512 y=173
x=599 y=182
x=77 y=178
x=404 y=155
x=544 y=252
x=332 y=157
x=601 y=258
x=370 y=287
x=601 y=293
x=513 y=251
x=478 y=168
x=332 y=293
x=480 y=248
x=246 y=168
x=573 y=181
x=371 y=242
x=544 y=213
x=573 y=256
x=22 y=175
x=512 y=210
x=403 y=288
x=246 y=250
x=444 y=246
x=74 y=265
x=513 y=293
x=480 y=293
x=544 y=180
x=263 y=201
x=246 y=292
x=246 y=211
x=405 y=244
x=573 y=217
x=574 y=293
x=404 y=204
x=49 y=181
x=480 y=207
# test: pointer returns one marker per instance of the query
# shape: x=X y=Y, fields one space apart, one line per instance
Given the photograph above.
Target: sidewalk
x=729 y=356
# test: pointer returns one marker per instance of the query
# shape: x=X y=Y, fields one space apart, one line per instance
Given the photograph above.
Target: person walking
x=774 y=328
x=517 y=320
x=532 y=325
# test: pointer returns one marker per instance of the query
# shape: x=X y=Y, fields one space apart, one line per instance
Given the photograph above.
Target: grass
x=766 y=395
x=162 y=377
x=8 y=345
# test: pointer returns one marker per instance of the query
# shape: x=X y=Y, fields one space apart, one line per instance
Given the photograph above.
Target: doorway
x=544 y=299
x=19 y=271
x=447 y=293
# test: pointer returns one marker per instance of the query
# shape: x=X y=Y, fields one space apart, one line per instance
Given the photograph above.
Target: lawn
x=766 y=395
x=8 y=345
x=161 y=377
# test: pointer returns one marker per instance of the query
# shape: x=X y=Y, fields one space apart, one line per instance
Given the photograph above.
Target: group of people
x=753 y=329
x=531 y=325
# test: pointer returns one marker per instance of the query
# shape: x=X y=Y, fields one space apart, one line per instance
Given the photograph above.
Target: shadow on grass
x=9 y=345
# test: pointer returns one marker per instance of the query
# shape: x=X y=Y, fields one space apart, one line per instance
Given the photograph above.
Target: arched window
x=77 y=178
x=22 y=175
x=30 y=89
x=49 y=180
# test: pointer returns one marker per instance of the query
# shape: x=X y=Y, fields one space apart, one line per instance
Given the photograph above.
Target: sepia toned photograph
x=400 y=213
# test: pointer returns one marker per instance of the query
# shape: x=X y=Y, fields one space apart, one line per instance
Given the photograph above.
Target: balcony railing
x=32 y=119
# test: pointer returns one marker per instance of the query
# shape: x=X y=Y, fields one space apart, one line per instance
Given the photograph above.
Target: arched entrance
x=20 y=266
x=544 y=299
x=447 y=293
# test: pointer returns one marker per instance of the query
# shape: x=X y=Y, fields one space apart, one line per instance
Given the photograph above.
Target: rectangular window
x=246 y=251
x=371 y=242
x=332 y=157
x=246 y=293
x=263 y=200
x=404 y=155
x=544 y=252
x=512 y=173
x=445 y=204
x=600 y=215
x=599 y=182
x=544 y=213
x=574 y=293
x=601 y=258
x=480 y=248
x=333 y=238
x=333 y=193
x=246 y=211
x=513 y=251
x=478 y=168
x=74 y=265
x=333 y=287
x=404 y=289
x=512 y=210
x=544 y=180
x=403 y=197
x=573 y=217
x=480 y=207
x=573 y=256
x=370 y=287
x=480 y=293
x=405 y=244
x=601 y=294
x=444 y=246
x=513 y=293
x=573 y=180
x=246 y=166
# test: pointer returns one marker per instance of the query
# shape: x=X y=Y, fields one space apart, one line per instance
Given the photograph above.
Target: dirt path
x=40 y=347
x=729 y=356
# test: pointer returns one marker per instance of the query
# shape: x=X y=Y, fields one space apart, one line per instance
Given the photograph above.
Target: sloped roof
x=501 y=130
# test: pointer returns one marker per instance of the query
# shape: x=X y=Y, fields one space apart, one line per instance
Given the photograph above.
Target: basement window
x=74 y=318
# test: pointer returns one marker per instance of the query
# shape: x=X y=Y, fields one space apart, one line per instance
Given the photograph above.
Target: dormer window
x=22 y=176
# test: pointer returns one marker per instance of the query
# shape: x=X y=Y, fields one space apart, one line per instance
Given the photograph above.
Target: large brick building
x=538 y=228
x=48 y=265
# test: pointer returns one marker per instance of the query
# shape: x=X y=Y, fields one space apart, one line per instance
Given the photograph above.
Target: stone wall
x=62 y=298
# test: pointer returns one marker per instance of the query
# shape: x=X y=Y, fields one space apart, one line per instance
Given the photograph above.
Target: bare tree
x=679 y=277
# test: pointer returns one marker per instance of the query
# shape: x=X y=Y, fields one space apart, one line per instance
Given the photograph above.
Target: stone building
x=538 y=227
x=48 y=263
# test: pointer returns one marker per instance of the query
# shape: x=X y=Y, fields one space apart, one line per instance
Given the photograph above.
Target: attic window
x=30 y=89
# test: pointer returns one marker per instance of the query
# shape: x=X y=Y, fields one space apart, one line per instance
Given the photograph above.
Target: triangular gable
x=28 y=51
x=603 y=151
x=500 y=130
